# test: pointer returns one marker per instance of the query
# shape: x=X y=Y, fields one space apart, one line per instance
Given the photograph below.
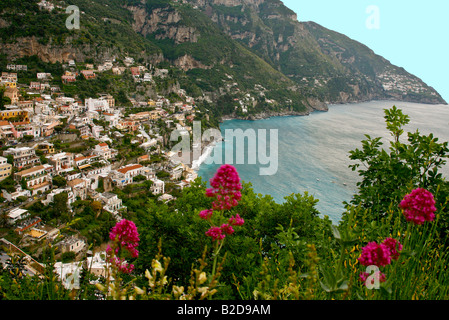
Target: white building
x=112 y=202
x=17 y=214
x=97 y=104
x=69 y=274
x=50 y=197
x=125 y=175
x=16 y=194
x=71 y=244
x=62 y=162
x=37 y=179
x=103 y=150
x=158 y=186
x=23 y=156
x=96 y=131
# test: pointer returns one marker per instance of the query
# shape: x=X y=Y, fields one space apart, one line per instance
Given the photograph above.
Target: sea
x=313 y=151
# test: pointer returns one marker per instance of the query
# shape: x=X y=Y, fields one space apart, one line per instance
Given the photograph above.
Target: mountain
x=228 y=54
x=331 y=65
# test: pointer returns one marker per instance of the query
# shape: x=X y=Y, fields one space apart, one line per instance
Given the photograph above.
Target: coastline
x=324 y=107
x=316 y=106
x=305 y=176
x=205 y=153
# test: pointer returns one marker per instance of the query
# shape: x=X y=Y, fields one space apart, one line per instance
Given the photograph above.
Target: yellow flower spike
x=177 y=291
x=156 y=265
x=138 y=290
x=202 y=278
x=100 y=287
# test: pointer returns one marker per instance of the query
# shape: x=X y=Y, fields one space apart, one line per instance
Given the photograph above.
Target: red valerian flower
x=125 y=237
x=375 y=254
x=226 y=193
x=419 y=206
x=236 y=221
x=206 y=214
x=394 y=246
x=225 y=189
x=215 y=233
x=125 y=234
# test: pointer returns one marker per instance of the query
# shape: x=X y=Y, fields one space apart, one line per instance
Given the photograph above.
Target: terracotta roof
x=129 y=168
x=79 y=159
x=75 y=182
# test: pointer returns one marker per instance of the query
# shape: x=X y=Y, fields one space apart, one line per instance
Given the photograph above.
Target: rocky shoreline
x=266 y=115
x=315 y=106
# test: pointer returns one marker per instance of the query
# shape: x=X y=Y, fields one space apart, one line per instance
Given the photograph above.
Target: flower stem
x=218 y=246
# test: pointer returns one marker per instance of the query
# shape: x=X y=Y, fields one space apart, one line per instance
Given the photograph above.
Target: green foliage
x=59 y=181
x=387 y=175
x=9 y=184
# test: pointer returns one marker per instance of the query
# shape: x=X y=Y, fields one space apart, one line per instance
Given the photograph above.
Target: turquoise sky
x=412 y=34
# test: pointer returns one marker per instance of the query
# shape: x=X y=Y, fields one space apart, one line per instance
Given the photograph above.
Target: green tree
x=60 y=207
x=59 y=181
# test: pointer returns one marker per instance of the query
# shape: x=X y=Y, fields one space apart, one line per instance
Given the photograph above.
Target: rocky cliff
x=332 y=66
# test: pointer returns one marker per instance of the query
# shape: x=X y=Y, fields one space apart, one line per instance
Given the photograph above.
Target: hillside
x=219 y=51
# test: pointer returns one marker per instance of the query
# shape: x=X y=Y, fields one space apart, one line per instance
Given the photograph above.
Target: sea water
x=313 y=151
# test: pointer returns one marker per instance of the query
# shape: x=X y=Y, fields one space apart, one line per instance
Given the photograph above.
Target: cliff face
x=164 y=23
x=48 y=52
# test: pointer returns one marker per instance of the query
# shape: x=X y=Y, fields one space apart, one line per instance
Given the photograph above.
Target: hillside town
x=87 y=149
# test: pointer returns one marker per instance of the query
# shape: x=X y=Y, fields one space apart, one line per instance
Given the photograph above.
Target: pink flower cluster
x=236 y=221
x=394 y=246
x=219 y=233
x=379 y=255
x=225 y=189
x=122 y=265
x=419 y=206
x=375 y=254
x=125 y=236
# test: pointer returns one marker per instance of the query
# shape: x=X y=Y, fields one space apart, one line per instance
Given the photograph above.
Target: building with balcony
x=62 y=162
x=37 y=179
x=23 y=157
x=5 y=168
x=14 y=115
